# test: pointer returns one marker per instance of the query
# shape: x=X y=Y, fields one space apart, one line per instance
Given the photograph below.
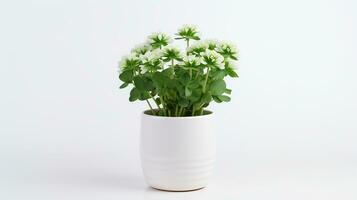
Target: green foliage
x=126 y=76
x=134 y=94
x=218 y=87
x=179 y=83
x=143 y=83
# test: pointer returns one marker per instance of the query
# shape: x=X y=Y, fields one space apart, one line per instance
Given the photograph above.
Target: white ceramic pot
x=177 y=153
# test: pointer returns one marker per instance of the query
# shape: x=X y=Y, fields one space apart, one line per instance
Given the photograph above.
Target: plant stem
x=152 y=110
x=172 y=62
x=158 y=106
x=180 y=111
x=201 y=111
x=176 y=111
x=187 y=45
x=163 y=105
x=204 y=86
x=155 y=101
x=198 y=73
x=193 y=112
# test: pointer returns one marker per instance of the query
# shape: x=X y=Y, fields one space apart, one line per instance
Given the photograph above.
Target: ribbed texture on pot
x=177 y=174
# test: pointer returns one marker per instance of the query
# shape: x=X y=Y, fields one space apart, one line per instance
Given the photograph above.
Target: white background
x=68 y=132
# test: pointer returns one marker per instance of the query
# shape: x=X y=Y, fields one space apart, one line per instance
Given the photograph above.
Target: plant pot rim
x=207 y=115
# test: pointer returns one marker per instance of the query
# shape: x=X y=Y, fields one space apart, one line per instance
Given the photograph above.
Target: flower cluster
x=228 y=50
x=141 y=49
x=130 y=62
x=188 y=32
x=179 y=82
x=151 y=61
x=213 y=59
x=197 y=48
x=158 y=40
x=192 y=61
x=171 y=53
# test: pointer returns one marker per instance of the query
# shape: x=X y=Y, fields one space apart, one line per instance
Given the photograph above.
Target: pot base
x=177 y=190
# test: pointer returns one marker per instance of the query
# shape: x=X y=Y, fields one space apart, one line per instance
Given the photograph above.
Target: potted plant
x=177 y=135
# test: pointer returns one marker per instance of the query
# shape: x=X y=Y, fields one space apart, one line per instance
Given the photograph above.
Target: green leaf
x=228 y=91
x=193 y=84
x=126 y=76
x=144 y=95
x=231 y=72
x=159 y=79
x=143 y=83
x=206 y=98
x=134 y=94
x=171 y=83
x=219 y=74
x=216 y=99
x=183 y=102
x=196 y=95
x=218 y=87
x=188 y=92
x=224 y=98
x=124 y=85
x=205 y=105
x=233 y=57
x=184 y=78
x=169 y=72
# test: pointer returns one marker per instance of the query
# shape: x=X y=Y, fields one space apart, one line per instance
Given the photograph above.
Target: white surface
x=67 y=132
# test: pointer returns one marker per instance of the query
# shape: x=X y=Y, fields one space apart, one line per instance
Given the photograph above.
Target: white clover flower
x=144 y=68
x=187 y=27
x=191 y=59
x=213 y=58
x=171 y=52
x=156 y=53
x=227 y=45
x=232 y=64
x=141 y=49
x=129 y=62
x=122 y=63
x=212 y=55
x=231 y=68
x=220 y=65
x=211 y=43
x=197 y=48
x=158 y=40
x=150 y=56
x=146 y=57
x=188 y=32
x=198 y=45
x=228 y=50
x=151 y=61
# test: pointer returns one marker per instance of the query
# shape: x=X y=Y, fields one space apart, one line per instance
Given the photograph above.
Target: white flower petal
x=221 y=66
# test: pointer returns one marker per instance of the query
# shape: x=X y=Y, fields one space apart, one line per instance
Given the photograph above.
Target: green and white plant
x=179 y=82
